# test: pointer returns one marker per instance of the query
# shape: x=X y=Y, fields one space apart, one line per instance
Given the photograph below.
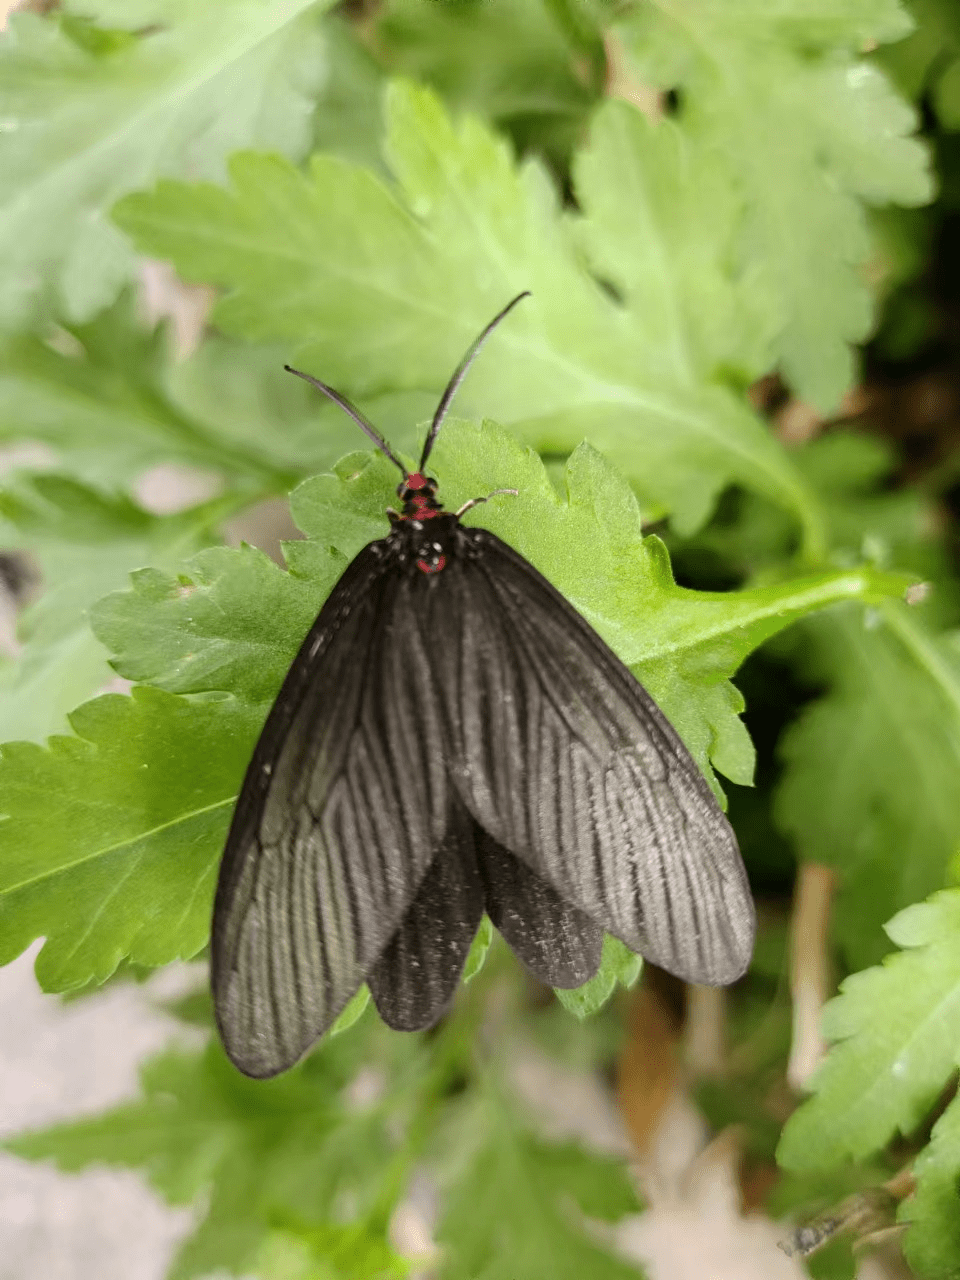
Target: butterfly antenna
x=363 y=423
x=460 y=373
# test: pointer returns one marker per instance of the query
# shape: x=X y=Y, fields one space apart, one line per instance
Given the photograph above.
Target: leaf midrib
x=866 y=1099
x=790 y=607
x=126 y=843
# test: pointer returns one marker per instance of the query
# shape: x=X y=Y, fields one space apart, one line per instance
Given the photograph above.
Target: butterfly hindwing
x=417 y=974
x=339 y=816
x=557 y=942
x=564 y=758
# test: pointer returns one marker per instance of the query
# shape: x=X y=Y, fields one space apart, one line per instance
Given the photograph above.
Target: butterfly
x=453 y=738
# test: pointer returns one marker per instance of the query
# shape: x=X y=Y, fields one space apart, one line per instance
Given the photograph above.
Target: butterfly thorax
x=425 y=537
x=419 y=496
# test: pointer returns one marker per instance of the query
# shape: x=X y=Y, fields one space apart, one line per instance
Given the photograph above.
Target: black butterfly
x=454 y=738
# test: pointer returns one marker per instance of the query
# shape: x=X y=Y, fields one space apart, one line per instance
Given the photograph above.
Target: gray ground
x=59 y=1061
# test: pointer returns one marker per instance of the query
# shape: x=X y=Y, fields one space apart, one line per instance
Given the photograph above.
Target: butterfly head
x=417 y=492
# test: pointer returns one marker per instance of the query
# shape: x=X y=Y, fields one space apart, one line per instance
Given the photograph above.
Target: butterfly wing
x=340 y=813
x=417 y=974
x=557 y=942
x=565 y=759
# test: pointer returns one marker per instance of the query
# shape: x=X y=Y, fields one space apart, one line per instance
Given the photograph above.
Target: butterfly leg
x=475 y=502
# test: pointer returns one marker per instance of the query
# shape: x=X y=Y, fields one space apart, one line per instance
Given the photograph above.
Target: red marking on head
x=416 y=481
x=425 y=566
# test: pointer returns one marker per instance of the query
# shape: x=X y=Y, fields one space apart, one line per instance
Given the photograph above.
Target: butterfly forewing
x=339 y=816
x=562 y=756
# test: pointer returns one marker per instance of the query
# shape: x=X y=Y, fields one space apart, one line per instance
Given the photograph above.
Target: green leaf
x=361 y=277
x=330 y=1252
x=262 y=1154
x=948 y=96
x=251 y=407
x=868 y=515
x=111 y=840
x=618 y=966
x=233 y=621
x=85 y=544
x=823 y=1193
x=932 y=1245
x=869 y=784
x=515 y=1208
x=835 y=1261
x=810 y=132
x=915 y=62
x=695 y=310
x=347 y=115
x=108 y=398
x=896 y=1030
x=478 y=950
x=86 y=120
x=355 y=1009
x=533 y=67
